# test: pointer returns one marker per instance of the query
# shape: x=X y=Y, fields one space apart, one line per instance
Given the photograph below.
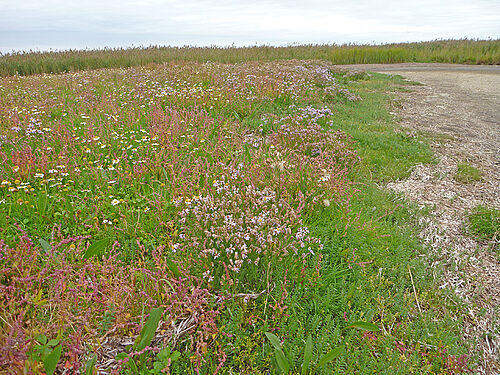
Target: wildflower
x=114 y=202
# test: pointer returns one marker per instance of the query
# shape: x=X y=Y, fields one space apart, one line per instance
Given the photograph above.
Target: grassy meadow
x=203 y=218
x=443 y=51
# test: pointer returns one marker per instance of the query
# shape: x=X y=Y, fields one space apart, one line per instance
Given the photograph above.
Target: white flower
x=114 y=202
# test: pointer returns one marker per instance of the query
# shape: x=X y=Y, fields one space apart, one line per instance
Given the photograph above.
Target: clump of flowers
x=236 y=225
x=324 y=157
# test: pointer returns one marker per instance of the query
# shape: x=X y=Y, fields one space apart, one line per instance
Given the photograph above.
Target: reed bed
x=462 y=51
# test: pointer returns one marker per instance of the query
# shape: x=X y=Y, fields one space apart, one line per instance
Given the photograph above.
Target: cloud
x=94 y=23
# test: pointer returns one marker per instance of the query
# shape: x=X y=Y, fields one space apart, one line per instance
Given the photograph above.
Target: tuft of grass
x=467 y=173
x=484 y=223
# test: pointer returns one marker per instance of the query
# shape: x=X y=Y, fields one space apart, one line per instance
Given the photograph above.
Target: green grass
x=444 y=51
x=386 y=154
x=467 y=173
x=484 y=223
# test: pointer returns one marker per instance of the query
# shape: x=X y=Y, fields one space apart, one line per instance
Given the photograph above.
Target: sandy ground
x=458 y=107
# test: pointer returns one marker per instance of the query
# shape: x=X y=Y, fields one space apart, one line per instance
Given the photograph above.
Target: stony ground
x=458 y=108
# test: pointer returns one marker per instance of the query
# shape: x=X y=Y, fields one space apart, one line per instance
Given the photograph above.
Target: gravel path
x=458 y=107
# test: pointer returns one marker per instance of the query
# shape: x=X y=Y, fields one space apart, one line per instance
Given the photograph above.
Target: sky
x=69 y=24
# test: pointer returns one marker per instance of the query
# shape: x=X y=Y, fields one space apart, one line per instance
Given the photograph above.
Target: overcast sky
x=64 y=24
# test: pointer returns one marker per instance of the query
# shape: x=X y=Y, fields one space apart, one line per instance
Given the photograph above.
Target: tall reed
x=463 y=51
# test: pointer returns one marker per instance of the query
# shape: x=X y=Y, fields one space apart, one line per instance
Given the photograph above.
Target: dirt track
x=460 y=100
x=458 y=108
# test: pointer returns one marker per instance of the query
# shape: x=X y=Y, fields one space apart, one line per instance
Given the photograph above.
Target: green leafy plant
x=142 y=341
x=107 y=320
x=285 y=365
x=47 y=352
x=364 y=326
x=90 y=365
x=96 y=248
x=164 y=360
x=149 y=329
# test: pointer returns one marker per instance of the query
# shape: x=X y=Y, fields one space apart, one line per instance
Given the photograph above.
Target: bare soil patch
x=458 y=108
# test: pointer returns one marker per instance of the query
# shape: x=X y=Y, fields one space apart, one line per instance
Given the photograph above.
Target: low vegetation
x=484 y=223
x=467 y=173
x=213 y=218
x=462 y=51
